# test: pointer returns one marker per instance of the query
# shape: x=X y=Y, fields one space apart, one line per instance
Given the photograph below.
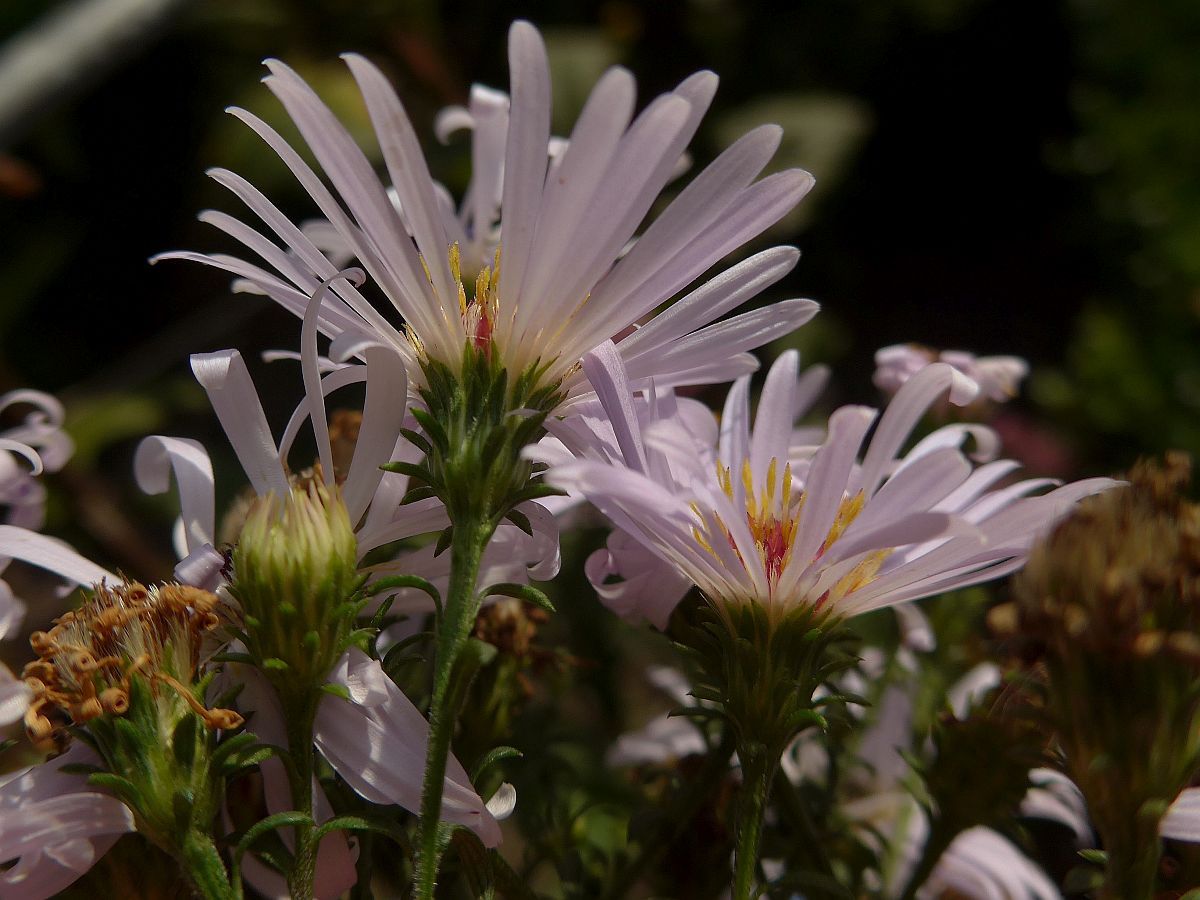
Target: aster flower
x=998 y=377
x=786 y=543
x=751 y=518
x=556 y=289
x=55 y=826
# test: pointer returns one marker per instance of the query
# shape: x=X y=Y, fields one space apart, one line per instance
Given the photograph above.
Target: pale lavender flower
x=564 y=283
x=55 y=826
x=749 y=518
x=998 y=377
x=38 y=444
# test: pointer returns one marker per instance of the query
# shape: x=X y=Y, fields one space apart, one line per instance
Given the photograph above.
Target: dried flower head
x=1109 y=602
x=87 y=660
x=1121 y=576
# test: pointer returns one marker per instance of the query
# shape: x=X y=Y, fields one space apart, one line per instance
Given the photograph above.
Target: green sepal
x=337 y=690
x=380 y=614
x=433 y=428
x=275 y=664
x=492 y=757
x=444 y=540
x=234 y=658
x=418 y=440
x=80 y=769
x=231 y=750
x=412 y=470
x=521 y=520
x=122 y=788
x=525 y=592
x=1095 y=856
x=183 y=741
x=536 y=491
x=803 y=718
x=424 y=492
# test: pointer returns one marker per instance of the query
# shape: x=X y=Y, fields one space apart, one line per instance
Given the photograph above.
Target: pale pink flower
x=564 y=221
x=998 y=377
x=55 y=826
x=749 y=517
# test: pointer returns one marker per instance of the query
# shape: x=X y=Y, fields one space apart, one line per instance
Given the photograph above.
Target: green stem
x=758 y=769
x=205 y=867
x=471 y=534
x=300 y=716
x=677 y=817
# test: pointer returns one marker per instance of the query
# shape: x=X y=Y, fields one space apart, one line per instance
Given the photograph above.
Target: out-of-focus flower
x=979 y=863
x=55 y=826
x=26 y=450
x=560 y=285
x=747 y=519
x=999 y=377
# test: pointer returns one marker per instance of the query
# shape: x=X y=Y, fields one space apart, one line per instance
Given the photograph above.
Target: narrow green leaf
x=525 y=592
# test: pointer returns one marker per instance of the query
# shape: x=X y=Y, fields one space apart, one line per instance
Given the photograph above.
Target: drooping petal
x=225 y=379
x=380 y=750
x=156 y=459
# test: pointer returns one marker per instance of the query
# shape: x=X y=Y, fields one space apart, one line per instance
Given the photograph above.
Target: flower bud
x=295 y=578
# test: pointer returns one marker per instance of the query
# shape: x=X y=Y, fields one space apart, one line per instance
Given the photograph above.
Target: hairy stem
x=471 y=534
x=300 y=718
x=758 y=768
x=205 y=868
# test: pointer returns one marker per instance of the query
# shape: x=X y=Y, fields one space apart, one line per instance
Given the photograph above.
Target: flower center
x=85 y=662
x=773 y=514
x=479 y=314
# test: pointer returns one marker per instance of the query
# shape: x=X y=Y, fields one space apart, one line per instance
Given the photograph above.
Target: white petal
x=1182 y=821
x=224 y=377
x=156 y=458
x=380 y=751
x=50 y=554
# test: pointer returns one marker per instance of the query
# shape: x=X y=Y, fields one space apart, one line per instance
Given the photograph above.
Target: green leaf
x=525 y=592
x=444 y=540
x=1099 y=857
x=492 y=757
x=267 y=825
x=375 y=824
